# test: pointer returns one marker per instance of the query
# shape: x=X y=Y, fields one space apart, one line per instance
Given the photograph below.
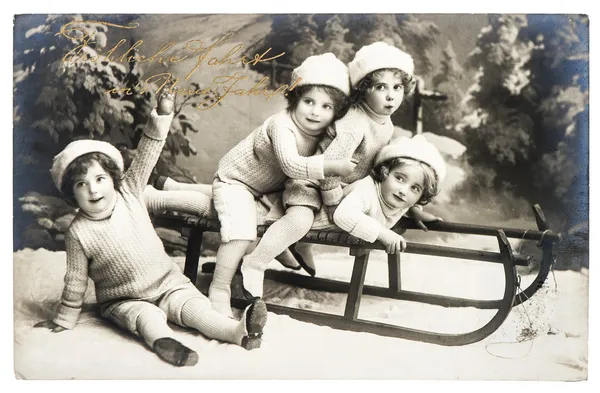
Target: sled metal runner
x=193 y=228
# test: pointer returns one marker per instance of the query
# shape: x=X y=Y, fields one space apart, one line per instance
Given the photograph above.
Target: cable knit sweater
x=364 y=213
x=359 y=135
x=119 y=248
x=273 y=152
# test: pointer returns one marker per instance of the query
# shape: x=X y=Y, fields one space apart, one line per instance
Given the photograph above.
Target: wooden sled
x=193 y=228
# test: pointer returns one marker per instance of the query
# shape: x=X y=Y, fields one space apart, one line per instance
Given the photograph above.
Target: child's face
x=95 y=190
x=386 y=94
x=403 y=187
x=315 y=111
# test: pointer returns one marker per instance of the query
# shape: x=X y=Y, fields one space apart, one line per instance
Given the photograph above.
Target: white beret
x=325 y=69
x=77 y=149
x=376 y=56
x=417 y=148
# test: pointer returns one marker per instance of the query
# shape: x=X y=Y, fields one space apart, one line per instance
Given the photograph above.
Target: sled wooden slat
x=524 y=234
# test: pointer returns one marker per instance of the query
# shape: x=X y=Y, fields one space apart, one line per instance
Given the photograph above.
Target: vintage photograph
x=301 y=196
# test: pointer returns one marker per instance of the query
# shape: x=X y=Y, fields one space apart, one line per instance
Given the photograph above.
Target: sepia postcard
x=301 y=196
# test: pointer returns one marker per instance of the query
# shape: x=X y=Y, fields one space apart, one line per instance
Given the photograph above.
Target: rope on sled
x=528 y=333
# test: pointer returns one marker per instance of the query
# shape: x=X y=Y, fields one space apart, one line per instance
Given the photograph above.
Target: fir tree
x=528 y=106
x=64 y=89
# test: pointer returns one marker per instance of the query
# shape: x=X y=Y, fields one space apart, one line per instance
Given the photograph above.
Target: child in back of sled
x=406 y=172
x=381 y=75
x=282 y=147
x=112 y=241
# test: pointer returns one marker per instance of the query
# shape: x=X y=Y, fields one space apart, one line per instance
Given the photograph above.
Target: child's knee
x=185 y=296
x=236 y=210
x=135 y=316
x=304 y=216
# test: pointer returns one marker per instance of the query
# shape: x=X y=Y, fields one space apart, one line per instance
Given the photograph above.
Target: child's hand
x=393 y=242
x=165 y=103
x=343 y=167
x=420 y=217
x=50 y=325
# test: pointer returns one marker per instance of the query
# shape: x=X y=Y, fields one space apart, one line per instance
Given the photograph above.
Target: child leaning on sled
x=381 y=76
x=112 y=241
x=406 y=172
x=282 y=147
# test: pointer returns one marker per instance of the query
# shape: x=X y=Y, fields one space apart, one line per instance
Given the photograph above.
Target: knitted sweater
x=119 y=248
x=363 y=212
x=273 y=152
x=359 y=135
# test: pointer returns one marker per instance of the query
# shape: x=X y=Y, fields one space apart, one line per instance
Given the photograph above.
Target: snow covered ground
x=298 y=350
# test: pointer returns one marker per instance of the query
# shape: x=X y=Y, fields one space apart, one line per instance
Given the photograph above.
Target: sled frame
x=193 y=228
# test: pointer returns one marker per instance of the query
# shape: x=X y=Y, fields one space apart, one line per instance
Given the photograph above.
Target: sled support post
x=540 y=218
x=395 y=282
x=356 y=286
x=192 y=255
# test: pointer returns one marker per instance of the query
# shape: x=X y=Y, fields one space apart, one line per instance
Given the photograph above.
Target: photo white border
x=318 y=6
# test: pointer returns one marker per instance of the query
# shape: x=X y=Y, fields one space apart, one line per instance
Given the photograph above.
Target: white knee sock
x=152 y=326
x=190 y=202
x=281 y=234
x=197 y=313
x=173 y=185
x=229 y=256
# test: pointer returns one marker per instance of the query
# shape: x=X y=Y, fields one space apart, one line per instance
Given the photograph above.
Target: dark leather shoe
x=300 y=258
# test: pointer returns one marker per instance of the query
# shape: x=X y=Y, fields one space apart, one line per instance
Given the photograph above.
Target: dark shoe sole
x=303 y=264
x=299 y=267
x=256 y=319
x=250 y=343
x=175 y=353
x=295 y=267
x=248 y=295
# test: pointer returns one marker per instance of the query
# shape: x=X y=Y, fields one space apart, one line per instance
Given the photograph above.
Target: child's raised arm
x=150 y=145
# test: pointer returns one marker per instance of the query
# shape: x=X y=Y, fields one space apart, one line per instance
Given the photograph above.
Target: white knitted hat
x=77 y=149
x=377 y=56
x=417 y=148
x=325 y=69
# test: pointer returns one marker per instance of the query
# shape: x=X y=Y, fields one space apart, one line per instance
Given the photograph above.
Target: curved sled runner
x=193 y=228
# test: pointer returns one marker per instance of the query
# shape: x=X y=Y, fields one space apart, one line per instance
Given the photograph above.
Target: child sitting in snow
x=112 y=241
x=281 y=148
x=406 y=172
x=381 y=76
